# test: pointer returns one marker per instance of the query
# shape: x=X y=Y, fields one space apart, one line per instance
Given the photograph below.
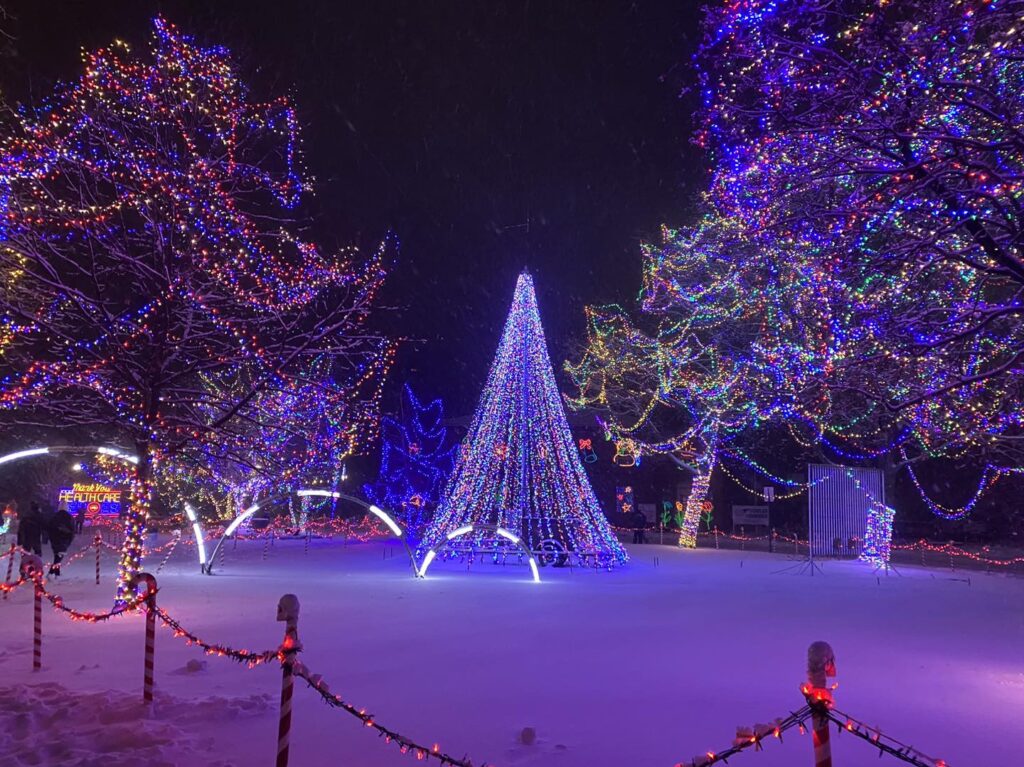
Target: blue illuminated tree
x=416 y=459
x=518 y=467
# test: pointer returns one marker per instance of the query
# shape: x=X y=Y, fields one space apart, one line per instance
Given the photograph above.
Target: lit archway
x=113 y=452
x=32 y=452
x=500 y=532
x=235 y=523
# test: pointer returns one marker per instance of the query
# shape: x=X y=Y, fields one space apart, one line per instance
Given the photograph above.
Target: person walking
x=80 y=519
x=62 y=532
x=30 y=530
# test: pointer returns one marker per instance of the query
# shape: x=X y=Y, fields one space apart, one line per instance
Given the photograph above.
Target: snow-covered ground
x=648 y=665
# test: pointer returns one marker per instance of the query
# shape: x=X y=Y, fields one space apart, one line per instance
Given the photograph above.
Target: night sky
x=488 y=136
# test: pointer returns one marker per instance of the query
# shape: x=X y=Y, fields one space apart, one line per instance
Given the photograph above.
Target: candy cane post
x=10 y=566
x=147 y=580
x=170 y=551
x=32 y=569
x=821 y=664
x=287 y=611
x=96 y=543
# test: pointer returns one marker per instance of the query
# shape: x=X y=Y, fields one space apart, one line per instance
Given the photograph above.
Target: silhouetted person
x=30 y=530
x=80 y=518
x=639 y=523
x=62 y=532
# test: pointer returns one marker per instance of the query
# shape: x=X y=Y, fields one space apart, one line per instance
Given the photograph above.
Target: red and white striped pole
x=10 y=566
x=821 y=664
x=96 y=543
x=170 y=551
x=32 y=568
x=37 y=624
x=150 y=600
x=287 y=611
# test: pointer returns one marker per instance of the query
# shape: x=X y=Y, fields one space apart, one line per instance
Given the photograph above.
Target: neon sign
x=95 y=498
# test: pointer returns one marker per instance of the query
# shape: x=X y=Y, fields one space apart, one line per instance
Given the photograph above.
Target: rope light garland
x=405 y=745
x=252 y=660
x=752 y=737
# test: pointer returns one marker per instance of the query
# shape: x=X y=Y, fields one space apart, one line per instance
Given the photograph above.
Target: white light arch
x=113 y=452
x=514 y=539
x=235 y=523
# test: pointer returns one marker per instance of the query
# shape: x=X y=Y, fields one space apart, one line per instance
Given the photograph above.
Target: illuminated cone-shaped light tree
x=147 y=211
x=518 y=467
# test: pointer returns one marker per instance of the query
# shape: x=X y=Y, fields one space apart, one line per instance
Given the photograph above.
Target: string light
x=537 y=488
x=159 y=171
x=853 y=275
x=416 y=459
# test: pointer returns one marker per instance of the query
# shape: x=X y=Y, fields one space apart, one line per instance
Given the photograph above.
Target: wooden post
x=150 y=601
x=287 y=611
x=821 y=664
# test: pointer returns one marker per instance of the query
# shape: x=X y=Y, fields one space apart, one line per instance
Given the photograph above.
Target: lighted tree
x=519 y=467
x=886 y=138
x=298 y=435
x=694 y=369
x=151 y=206
x=416 y=459
x=879 y=144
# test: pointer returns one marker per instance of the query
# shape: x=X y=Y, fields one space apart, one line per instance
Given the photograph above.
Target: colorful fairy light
x=880 y=159
x=537 y=487
x=854 y=275
x=188 y=185
x=878 y=535
x=416 y=459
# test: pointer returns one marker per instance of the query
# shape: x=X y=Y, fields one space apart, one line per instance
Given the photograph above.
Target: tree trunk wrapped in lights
x=704 y=467
x=149 y=211
x=686 y=377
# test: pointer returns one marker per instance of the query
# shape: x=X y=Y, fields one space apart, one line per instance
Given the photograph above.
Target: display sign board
x=95 y=498
x=750 y=515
